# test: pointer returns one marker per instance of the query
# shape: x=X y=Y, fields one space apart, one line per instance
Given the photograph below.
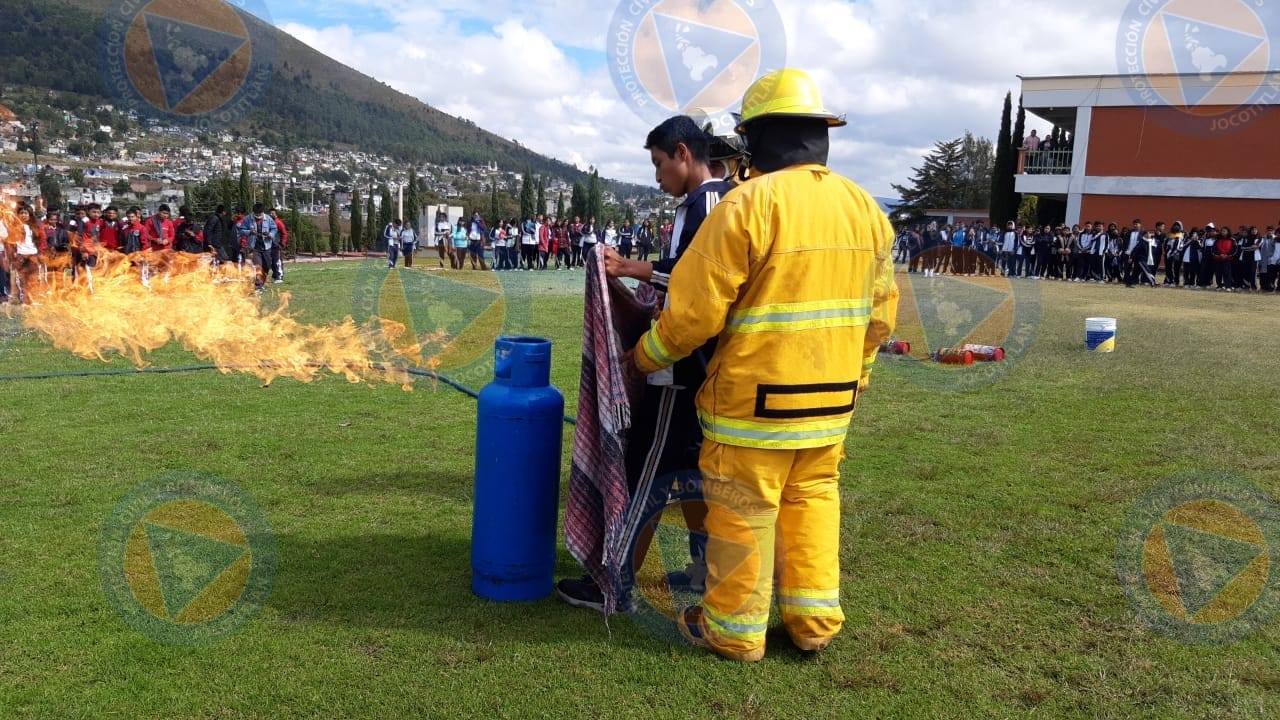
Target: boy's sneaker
x=581 y=593
x=692 y=579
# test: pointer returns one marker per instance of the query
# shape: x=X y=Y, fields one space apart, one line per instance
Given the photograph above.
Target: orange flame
x=213 y=314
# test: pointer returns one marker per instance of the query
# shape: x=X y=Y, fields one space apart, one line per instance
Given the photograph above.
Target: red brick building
x=1133 y=155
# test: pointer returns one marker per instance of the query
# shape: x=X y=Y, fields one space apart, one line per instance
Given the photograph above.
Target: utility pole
x=35 y=143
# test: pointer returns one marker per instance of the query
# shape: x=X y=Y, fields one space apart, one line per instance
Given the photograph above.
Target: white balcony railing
x=1045 y=162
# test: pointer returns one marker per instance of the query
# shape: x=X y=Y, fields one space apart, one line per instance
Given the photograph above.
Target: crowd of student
x=1245 y=259
x=534 y=244
x=43 y=250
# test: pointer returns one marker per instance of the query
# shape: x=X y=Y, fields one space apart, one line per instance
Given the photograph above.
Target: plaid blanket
x=594 y=520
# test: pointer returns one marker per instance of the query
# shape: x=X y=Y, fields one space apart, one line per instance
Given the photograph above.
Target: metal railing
x=1045 y=162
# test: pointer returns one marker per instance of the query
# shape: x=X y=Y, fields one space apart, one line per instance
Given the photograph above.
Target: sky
x=907 y=73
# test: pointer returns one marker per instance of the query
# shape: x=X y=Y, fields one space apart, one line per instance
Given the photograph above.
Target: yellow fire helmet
x=785 y=93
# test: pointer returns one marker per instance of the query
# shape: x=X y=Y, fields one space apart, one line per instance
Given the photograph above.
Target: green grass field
x=978 y=547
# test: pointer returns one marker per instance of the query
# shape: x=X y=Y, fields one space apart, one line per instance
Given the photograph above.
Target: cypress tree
x=1002 y=176
x=1020 y=127
x=335 y=224
x=227 y=192
x=371 y=228
x=388 y=211
x=578 y=200
x=245 y=188
x=595 y=201
x=526 y=196
x=412 y=202
x=1013 y=198
x=357 y=222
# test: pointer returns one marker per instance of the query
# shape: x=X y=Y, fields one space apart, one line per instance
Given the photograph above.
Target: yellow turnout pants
x=761 y=503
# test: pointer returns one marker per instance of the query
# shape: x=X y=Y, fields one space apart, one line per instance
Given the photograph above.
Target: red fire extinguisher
x=953 y=356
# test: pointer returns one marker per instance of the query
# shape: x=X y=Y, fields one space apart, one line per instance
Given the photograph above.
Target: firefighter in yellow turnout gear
x=793 y=271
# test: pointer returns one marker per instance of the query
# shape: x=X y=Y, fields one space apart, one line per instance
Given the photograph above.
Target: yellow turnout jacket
x=793 y=271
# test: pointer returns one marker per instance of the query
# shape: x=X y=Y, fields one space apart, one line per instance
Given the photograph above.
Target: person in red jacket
x=110 y=233
x=561 y=237
x=544 y=241
x=86 y=253
x=159 y=231
x=159 y=234
x=277 y=251
x=1224 y=249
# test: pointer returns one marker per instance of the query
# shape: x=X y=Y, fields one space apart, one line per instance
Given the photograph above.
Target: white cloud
x=906 y=73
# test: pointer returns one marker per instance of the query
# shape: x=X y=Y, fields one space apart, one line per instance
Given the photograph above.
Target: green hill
x=313 y=100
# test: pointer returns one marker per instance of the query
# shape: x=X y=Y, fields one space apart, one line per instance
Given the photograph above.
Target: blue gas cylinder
x=517 y=492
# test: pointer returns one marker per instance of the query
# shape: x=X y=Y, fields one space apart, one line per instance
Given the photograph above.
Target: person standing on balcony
x=1032 y=148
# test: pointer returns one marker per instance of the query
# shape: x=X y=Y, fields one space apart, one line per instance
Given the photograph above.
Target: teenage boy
x=219 y=236
x=391 y=236
x=665 y=435
x=260 y=235
x=86 y=255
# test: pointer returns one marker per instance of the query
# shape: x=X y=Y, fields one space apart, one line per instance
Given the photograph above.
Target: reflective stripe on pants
x=767 y=507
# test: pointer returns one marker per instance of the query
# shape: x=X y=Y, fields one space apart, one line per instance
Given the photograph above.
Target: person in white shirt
x=25 y=258
x=610 y=235
x=498 y=236
x=444 y=237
